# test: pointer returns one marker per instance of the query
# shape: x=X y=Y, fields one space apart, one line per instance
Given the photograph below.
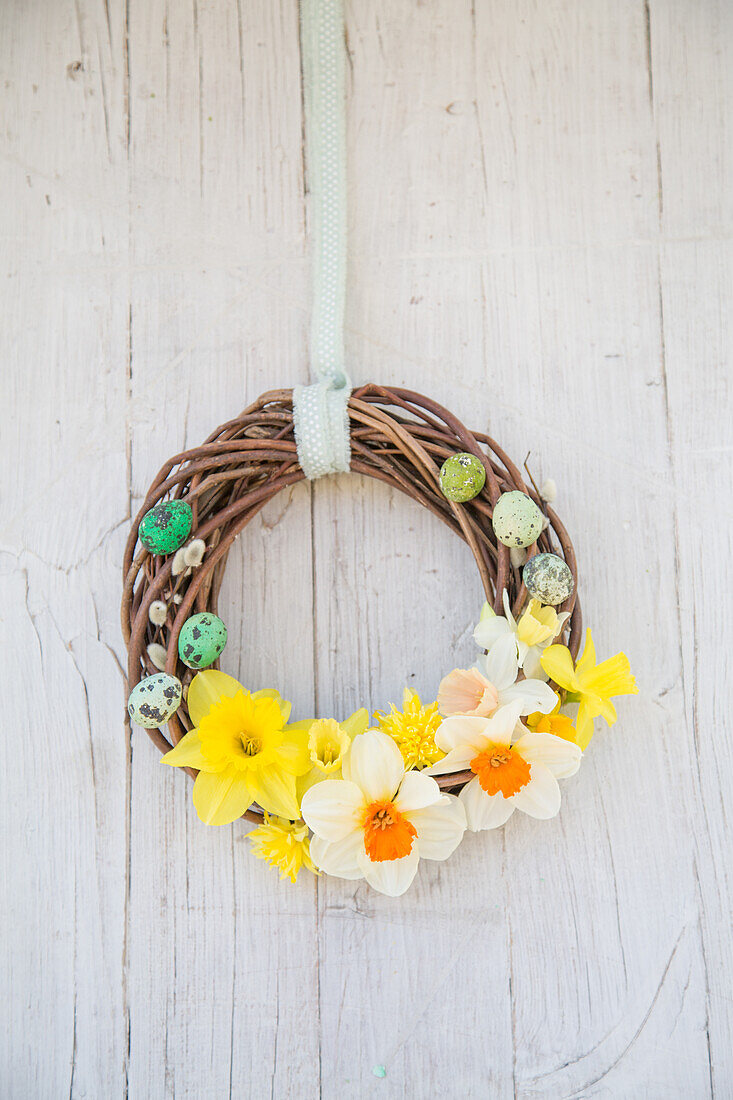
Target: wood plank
x=221 y=956
x=64 y=354
x=693 y=99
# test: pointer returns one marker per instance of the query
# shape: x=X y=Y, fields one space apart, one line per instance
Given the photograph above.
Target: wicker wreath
x=408 y=441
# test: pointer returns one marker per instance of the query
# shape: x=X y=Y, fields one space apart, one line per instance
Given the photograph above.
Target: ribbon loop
x=320 y=415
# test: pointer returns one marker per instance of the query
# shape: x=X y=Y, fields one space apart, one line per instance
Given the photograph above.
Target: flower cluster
x=363 y=803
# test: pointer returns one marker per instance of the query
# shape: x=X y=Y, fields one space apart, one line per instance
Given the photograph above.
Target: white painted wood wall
x=540 y=219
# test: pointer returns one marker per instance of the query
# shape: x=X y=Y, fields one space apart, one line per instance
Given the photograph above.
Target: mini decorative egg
x=166 y=526
x=201 y=640
x=462 y=477
x=517 y=519
x=154 y=700
x=548 y=578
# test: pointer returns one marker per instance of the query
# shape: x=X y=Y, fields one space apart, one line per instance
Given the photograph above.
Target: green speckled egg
x=548 y=578
x=462 y=477
x=201 y=640
x=154 y=700
x=166 y=526
x=517 y=519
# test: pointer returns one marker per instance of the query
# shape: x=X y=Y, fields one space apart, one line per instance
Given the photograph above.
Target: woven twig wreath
x=397 y=436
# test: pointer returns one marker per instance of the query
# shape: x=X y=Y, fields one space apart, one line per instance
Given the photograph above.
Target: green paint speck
x=379 y=1071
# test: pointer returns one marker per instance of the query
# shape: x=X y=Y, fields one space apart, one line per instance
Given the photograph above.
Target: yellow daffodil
x=560 y=725
x=243 y=748
x=283 y=844
x=413 y=730
x=328 y=743
x=589 y=684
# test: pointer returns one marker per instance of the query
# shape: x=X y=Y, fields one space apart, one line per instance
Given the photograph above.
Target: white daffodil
x=536 y=628
x=378 y=820
x=508 y=775
x=479 y=692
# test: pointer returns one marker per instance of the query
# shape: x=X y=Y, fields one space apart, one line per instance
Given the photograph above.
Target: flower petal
x=187 y=753
x=588 y=660
x=534 y=695
x=271 y=693
x=221 y=797
x=417 y=790
x=440 y=827
x=558 y=664
x=206 y=689
x=332 y=809
x=560 y=756
x=274 y=791
x=460 y=731
x=391 y=876
x=376 y=765
x=584 y=723
x=293 y=755
x=501 y=663
x=488 y=632
x=484 y=811
x=501 y=725
x=457 y=760
x=541 y=797
x=339 y=857
x=356 y=723
x=532 y=665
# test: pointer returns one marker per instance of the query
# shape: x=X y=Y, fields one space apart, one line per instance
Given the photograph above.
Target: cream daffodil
x=378 y=820
x=590 y=684
x=536 y=628
x=328 y=743
x=243 y=747
x=480 y=691
x=509 y=774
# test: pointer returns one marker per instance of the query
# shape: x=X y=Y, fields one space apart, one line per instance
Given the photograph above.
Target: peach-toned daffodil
x=509 y=774
x=480 y=691
x=379 y=820
x=244 y=750
x=589 y=684
x=536 y=628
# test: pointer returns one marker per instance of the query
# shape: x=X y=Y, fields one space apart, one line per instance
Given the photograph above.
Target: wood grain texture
x=540 y=220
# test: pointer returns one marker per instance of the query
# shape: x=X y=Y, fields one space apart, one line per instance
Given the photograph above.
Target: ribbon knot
x=321 y=423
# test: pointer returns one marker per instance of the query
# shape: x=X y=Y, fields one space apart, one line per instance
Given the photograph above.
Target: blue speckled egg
x=154 y=700
x=517 y=520
x=548 y=579
x=201 y=640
